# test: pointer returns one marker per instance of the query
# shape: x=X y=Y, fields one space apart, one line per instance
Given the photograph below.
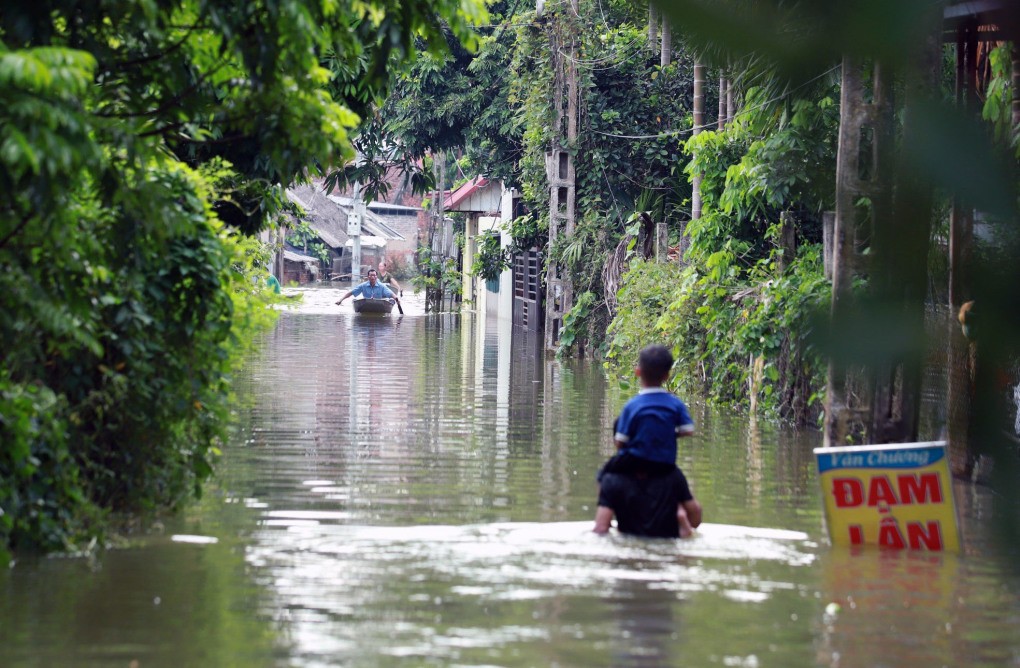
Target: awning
x=369 y=241
x=298 y=257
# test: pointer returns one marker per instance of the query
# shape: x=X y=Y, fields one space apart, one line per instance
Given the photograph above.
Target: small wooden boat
x=380 y=306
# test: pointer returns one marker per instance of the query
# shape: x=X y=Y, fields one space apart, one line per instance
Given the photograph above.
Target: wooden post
x=844 y=411
x=907 y=232
x=961 y=245
x=661 y=242
x=787 y=240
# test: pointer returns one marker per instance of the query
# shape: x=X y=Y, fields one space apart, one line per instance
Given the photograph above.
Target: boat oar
x=399 y=307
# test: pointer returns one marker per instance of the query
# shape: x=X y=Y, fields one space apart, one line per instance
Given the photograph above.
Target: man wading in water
x=641 y=485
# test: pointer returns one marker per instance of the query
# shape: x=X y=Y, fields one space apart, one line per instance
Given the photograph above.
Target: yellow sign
x=896 y=496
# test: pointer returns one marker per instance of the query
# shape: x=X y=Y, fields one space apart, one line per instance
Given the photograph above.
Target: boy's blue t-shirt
x=650 y=422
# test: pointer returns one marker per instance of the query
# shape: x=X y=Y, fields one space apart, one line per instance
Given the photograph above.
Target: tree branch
x=17 y=228
x=156 y=56
x=172 y=102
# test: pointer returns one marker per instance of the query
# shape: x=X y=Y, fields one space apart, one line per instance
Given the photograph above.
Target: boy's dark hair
x=655 y=362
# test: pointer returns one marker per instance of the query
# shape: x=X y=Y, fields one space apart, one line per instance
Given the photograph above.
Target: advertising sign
x=897 y=496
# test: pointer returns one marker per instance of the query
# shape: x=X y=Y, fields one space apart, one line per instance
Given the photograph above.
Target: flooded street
x=419 y=490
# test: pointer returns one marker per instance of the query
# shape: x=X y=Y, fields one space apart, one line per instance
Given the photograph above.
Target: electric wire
x=713 y=124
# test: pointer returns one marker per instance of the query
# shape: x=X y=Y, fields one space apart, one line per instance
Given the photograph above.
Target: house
x=480 y=199
x=373 y=252
x=397 y=226
x=517 y=295
x=386 y=228
x=322 y=220
x=401 y=210
x=299 y=268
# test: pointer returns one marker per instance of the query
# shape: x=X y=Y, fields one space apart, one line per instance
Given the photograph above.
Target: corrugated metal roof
x=298 y=257
x=327 y=215
x=371 y=222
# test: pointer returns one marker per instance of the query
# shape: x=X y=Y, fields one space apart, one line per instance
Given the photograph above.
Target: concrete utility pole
x=354 y=219
x=281 y=263
x=559 y=163
x=440 y=162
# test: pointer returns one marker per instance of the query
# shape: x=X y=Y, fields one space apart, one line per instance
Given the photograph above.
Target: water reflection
x=419 y=491
x=462 y=592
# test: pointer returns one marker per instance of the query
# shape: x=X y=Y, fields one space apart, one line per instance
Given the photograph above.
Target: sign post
x=897 y=496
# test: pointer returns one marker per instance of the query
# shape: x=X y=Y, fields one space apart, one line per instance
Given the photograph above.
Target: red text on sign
x=910 y=488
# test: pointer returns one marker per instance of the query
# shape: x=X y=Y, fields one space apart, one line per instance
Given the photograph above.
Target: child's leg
x=686 y=530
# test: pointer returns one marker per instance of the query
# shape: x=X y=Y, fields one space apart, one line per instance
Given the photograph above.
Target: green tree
x=138 y=141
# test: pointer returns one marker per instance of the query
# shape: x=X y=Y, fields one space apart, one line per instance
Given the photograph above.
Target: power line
x=686 y=131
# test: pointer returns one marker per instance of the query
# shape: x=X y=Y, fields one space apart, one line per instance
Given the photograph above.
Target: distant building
x=299 y=268
x=480 y=200
x=389 y=231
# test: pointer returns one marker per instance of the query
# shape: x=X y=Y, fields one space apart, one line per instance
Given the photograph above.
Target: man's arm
x=391 y=294
x=349 y=293
x=603 y=518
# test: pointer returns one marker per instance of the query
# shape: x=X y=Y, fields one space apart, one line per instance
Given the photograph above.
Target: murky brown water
x=419 y=491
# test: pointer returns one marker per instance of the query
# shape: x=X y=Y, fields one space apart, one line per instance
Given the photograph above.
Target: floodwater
x=418 y=491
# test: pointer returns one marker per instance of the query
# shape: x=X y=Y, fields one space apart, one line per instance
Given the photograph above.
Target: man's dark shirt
x=645 y=505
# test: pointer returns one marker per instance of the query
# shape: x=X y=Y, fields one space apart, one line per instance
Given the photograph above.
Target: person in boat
x=371 y=289
x=641 y=485
x=389 y=279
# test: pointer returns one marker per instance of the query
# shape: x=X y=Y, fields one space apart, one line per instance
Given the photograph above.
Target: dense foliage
x=634 y=117
x=138 y=140
x=738 y=314
x=635 y=122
